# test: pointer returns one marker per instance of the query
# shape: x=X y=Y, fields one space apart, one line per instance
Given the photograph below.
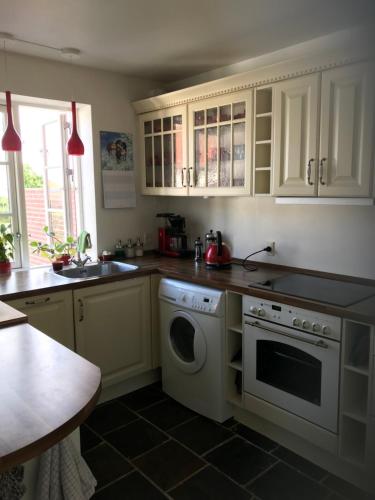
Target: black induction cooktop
x=328 y=291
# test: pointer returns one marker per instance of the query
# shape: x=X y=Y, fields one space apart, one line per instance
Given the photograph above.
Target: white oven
x=292 y=360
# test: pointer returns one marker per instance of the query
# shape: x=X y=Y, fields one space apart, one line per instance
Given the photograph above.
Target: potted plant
x=6 y=248
x=57 y=250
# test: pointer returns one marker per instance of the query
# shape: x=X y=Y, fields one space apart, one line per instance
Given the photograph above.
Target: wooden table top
x=46 y=391
x=10 y=316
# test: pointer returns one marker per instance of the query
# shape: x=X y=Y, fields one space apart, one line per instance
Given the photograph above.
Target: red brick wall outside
x=36 y=218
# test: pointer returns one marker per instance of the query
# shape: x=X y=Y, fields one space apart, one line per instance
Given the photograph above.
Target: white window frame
x=17 y=189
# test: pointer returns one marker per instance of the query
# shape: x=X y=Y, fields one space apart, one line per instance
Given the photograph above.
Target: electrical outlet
x=272 y=245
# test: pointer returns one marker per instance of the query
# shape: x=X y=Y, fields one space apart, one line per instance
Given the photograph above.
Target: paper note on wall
x=116 y=150
x=118 y=189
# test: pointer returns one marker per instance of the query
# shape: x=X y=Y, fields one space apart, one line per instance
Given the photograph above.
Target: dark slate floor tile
x=168 y=464
x=201 y=434
x=229 y=423
x=240 y=460
x=344 y=488
x=131 y=487
x=88 y=438
x=282 y=482
x=142 y=398
x=106 y=464
x=136 y=438
x=109 y=416
x=209 y=484
x=300 y=463
x=255 y=438
x=167 y=414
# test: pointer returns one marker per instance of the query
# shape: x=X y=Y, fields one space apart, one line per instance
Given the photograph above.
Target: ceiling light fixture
x=74 y=145
x=11 y=140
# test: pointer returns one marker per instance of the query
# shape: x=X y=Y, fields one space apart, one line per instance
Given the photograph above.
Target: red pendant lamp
x=74 y=145
x=11 y=140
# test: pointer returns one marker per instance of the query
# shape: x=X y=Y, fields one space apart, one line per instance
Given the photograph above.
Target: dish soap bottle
x=119 y=250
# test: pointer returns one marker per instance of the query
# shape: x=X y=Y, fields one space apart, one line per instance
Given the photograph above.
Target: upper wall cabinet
x=220 y=145
x=335 y=159
x=296 y=114
x=164 y=151
x=346 y=131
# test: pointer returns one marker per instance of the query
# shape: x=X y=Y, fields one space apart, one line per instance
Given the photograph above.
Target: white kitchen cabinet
x=323 y=126
x=113 y=327
x=346 y=131
x=220 y=145
x=296 y=113
x=50 y=313
x=164 y=151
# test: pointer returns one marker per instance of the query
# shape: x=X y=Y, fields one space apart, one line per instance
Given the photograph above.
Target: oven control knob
x=296 y=322
x=305 y=324
x=326 y=330
x=261 y=312
x=253 y=310
x=316 y=327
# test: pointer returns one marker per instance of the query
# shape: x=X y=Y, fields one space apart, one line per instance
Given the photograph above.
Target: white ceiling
x=168 y=40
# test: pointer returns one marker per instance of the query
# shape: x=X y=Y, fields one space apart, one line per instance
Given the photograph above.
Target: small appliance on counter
x=217 y=254
x=172 y=237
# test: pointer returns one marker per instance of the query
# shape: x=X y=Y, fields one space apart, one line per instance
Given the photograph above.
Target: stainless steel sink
x=96 y=270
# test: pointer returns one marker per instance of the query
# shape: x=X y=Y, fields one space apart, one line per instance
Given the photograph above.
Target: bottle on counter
x=198 y=247
x=119 y=250
x=129 y=249
x=139 y=248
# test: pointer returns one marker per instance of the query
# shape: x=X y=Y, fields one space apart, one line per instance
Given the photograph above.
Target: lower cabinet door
x=113 y=327
x=52 y=314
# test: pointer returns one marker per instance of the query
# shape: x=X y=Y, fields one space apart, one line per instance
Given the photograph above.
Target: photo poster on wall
x=116 y=153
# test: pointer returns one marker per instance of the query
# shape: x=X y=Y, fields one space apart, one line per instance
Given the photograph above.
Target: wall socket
x=272 y=245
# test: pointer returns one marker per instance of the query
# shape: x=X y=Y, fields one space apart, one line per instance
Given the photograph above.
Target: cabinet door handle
x=37 y=301
x=309 y=181
x=191 y=177
x=321 y=169
x=184 y=175
x=81 y=316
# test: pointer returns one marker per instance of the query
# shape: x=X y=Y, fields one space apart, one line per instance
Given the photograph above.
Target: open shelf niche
x=234 y=348
x=262 y=141
x=355 y=400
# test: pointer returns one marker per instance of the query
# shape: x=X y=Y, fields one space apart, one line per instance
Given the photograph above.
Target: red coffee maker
x=217 y=255
x=172 y=237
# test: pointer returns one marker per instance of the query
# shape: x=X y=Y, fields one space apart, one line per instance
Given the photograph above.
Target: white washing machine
x=192 y=338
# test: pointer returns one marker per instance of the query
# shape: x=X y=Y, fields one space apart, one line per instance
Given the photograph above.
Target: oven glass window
x=182 y=335
x=289 y=369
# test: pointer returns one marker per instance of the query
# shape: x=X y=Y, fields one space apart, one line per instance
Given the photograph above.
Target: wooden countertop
x=46 y=391
x=40 y=281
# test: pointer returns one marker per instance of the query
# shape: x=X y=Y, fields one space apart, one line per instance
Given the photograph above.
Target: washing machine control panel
x=193 y=297
x=199 y=302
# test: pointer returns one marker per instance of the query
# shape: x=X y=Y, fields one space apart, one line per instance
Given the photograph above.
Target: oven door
x=294 y=370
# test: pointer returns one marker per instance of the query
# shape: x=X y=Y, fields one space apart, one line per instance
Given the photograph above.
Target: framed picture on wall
x=116 y=155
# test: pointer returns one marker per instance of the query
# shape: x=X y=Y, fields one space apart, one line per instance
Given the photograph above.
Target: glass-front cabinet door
x=163 y=147
x=219 y=145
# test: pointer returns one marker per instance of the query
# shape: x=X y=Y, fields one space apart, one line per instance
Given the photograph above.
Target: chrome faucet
x=79 y=262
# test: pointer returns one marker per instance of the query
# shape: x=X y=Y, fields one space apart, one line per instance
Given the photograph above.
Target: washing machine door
x=186 y=342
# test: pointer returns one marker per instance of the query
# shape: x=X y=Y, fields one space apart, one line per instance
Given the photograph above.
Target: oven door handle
x=319 y=343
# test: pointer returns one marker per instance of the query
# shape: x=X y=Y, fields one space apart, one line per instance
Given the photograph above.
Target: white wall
x=110 y=96
x=338 y=239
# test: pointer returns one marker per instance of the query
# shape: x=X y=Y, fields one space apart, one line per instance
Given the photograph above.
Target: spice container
x=129 y=249
x=139 y=248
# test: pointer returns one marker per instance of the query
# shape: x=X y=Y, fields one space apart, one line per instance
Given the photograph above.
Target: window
x=48 y=181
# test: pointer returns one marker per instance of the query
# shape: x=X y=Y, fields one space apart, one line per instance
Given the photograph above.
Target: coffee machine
x=172 y=237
